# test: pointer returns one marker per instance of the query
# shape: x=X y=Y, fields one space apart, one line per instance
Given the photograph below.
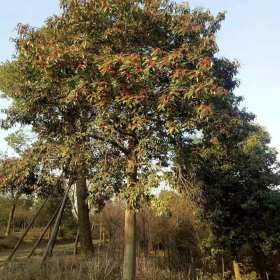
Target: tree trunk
x=145 y=237
x=259 y=262
x=11 y=218
x=129 y=263
x=83 y=216
x=236 y=270
x=223 y=267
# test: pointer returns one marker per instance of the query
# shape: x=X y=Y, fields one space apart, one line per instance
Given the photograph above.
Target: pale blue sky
x=249 y=34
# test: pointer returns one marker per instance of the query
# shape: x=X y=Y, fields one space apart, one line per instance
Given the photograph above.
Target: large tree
x=153 y=72
x=131 y=74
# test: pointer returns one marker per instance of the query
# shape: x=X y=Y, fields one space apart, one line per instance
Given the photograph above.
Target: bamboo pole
x=76 y=242
x=52 y=240
x=26 y=231
x=37 y=243
x=92 y=228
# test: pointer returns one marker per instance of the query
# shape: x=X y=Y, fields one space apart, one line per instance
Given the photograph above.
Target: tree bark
x=84 y=227
x=129 y=263
x=236 y=270
x=259 y=261
x=11 y=218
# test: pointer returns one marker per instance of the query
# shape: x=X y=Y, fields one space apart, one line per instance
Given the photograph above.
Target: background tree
x=237 y=178
x=18 y=173
x=47 y=107
x=18 y=177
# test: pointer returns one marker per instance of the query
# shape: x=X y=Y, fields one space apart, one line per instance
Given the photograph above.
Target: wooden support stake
x=26 y=231
x=223 y=267
x=52 y=240
x=76 y=242
x=37 y=243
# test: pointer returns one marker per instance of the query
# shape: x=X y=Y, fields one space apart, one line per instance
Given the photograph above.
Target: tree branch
x=113 y=143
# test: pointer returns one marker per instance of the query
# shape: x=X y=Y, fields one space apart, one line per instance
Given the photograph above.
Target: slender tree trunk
x=86 y=245
x=236 y=270
x=100 y=233
x=223 y=267
x=129 y=263
x=145 y=237
x=11 y=218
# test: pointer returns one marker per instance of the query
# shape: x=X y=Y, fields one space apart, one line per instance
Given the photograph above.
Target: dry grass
x=70 y=268
x=105 y=265
x=97 y=268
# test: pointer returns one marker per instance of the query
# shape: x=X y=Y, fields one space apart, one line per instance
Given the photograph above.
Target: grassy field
x=106 y=264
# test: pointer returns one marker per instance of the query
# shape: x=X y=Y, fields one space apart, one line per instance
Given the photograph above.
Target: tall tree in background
x=18 y=173
x=245 y=174
x=18 y=177
x=237 y=172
